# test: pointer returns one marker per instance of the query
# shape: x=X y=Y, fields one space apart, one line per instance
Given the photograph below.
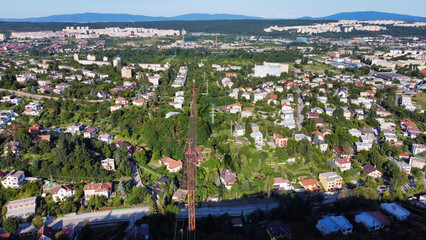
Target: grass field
x=421 y=99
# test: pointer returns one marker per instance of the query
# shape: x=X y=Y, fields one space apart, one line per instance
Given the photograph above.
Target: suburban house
x=99 y=189
x=179 y=195
x=115 y=108
x=227 y=177
x=403 y=166
x=417 y=149
x=46 y=233
x=282 y=184
x=42 y=137
x=372 y=171
x=106 y=138
x=363 y=146
x=240 y=130
x=258 y=138
x=237 y=222
x=227 y=82
x=171 y=164
x=418 y=162
x=254 y=127
x=384 y=221
x=128 y=146
x=75 y=129
x=277 y=230
x=61 y=192
x=21 y=208
x=13 y=179
x=334 y=224
x=14 y=146
x=399 y=212
x=279 y=140
x=371 y=223
x=34 y=129
x=234 y=108
x=121 y=100
x=330 y=180
x=139 y=102
x=310 y=184
x=343 y=163
x=108 y=164
x=33 y=108
x=90 y=132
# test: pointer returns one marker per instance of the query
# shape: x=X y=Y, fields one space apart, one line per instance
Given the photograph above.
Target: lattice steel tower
x=192 y=156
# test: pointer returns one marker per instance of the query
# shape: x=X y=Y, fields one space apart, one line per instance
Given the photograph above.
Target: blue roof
x=329 y=224
x=342 y=222
x=368 y=220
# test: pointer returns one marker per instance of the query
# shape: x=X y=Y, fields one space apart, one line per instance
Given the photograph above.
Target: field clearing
x=421 y=99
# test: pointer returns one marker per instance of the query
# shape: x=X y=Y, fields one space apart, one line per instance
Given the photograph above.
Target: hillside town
x=328 y=133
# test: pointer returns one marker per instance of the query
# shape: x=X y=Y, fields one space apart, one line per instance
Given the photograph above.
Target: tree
x=399 y=180
x=152 y=206
x=37 y=221
x=11 y=225
x=364 y=192
x=86 y=231
x=61 y=236
x=269 y=184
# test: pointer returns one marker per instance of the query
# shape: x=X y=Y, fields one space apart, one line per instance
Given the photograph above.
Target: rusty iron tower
x=192 y=156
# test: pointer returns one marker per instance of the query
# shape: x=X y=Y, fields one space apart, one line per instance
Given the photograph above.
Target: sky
x=168 y=8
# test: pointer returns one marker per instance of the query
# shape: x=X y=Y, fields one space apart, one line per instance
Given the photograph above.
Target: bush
x=11 y=225
x=37 y=221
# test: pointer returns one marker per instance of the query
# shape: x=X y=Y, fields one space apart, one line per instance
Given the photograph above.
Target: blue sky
x=261 y=8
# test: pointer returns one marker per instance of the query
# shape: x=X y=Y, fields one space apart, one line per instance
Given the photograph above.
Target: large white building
x=13 y=179
x=272 y=69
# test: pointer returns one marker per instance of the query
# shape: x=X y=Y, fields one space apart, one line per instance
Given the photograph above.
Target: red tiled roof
x=234 y=104
x=343 y=161
x=279 y=180
x=98 y=187
x=380 y=216
x=308 y=181
x=66 y=187
x=368 y=168
x=34 y=128
x=43 y=137
x=46 y=231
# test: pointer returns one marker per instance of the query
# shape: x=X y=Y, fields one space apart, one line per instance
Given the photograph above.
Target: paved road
x=23 y=94
x=231 y=210
x=136 y=175
x=300 y=116
x=39 y=97
x=131 y=214
x=135 y=213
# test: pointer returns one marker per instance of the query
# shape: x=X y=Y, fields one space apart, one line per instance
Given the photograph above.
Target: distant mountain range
x=112 y=17
x=370 y=16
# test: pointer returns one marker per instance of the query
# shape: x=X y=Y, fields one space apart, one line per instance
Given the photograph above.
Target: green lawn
x=421 y=99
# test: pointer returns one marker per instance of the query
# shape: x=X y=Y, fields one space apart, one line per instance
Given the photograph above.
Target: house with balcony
x=13 y=179
x=99 y=189
x=59 y=193
x=330 y=180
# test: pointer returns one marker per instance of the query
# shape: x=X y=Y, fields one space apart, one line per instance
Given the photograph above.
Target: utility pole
x=183 y=38
x=212 y=113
